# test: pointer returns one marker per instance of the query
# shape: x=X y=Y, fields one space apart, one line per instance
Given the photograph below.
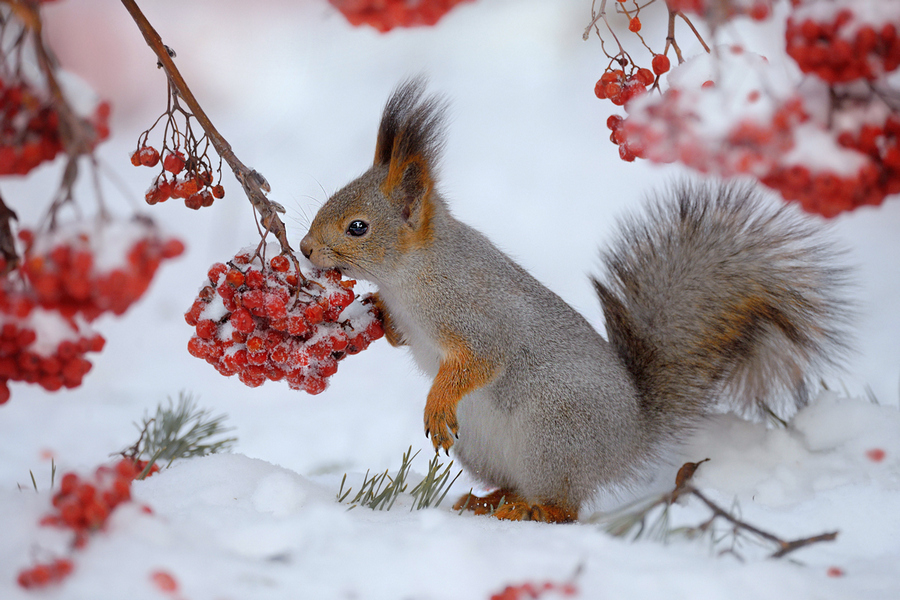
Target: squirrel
x=712 y=296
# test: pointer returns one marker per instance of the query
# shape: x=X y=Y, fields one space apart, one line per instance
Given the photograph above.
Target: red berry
x=164 y=581
x=875 y=454
x=280 y=263
x=174 y=162
x=660 y=64
x=148 y=155
x=243 y=321
x=645 y=76
x=207 y=329
x=216 y=271
x=234 y=278
x=634 y=25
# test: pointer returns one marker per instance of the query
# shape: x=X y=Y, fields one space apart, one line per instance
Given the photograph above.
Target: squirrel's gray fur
x=709 y=296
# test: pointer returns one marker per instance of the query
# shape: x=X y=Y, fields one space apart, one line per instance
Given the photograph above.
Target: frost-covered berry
x=264 y=320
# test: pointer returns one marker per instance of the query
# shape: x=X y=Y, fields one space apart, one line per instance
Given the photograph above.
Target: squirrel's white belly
x=492 y=440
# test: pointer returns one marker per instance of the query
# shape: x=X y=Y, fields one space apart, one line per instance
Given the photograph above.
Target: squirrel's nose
x=306 y=246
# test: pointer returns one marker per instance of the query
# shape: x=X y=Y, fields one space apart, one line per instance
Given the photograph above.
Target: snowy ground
x=298 y=93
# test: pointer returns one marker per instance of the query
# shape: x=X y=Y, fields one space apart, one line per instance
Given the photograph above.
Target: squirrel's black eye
x=357 y=228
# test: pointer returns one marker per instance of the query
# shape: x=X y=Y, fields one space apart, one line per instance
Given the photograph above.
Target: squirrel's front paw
x=441 y=425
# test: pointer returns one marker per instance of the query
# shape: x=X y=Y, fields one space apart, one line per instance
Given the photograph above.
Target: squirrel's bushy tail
x=714 y=296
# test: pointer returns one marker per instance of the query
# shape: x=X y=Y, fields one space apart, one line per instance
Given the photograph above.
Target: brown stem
x=253 y=183
x=694 y=29
x=794 y=545
x=7 y=239
x=784 y=547
x=670 y=37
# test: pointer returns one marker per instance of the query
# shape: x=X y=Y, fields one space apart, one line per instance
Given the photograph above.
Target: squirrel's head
x=377 y=219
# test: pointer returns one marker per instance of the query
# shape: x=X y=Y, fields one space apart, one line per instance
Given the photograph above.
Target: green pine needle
x=379 y=492
x=179 y=430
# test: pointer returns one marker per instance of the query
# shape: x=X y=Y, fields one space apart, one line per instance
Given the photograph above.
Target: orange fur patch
x=507 y=505
x=735 y=325
x=459 y=373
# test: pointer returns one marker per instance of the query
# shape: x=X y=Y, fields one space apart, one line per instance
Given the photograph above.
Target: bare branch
x=254 y=184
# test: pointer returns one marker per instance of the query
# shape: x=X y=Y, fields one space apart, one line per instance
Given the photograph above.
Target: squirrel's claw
x=439 y=426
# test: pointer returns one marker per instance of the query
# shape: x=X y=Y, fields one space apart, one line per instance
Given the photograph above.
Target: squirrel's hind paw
x=509 y=506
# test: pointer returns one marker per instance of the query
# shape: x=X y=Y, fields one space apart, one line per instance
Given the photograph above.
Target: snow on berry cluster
x=830 y=143
x=842 y=41
x=735 y=114
x=67 y=278
x=270 y=321
x=385 y=15
x=195 y=185
x=724 y=9
x=91 y=268
x=30 y=128
x=725 y=127
x=41 y=347
x=83 y=505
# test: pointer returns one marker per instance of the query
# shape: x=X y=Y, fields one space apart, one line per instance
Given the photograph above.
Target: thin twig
x=685 y=18
x=254 y=184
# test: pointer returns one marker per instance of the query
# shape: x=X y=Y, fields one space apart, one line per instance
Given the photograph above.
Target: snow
x=297 y=93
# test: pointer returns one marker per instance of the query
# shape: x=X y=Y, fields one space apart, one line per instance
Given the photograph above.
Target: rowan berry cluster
x=535 y=590
x=30 y=127
x=831 y=144
x=619 y=89
x=50 y=363
x=752 y=134
x=84 y=505
x=67 y=278
x=272 y=321
x=44 y=574
x=839 y=44
x=385 y=15
x=188 y=178
x=73 y=271
x=831 y=190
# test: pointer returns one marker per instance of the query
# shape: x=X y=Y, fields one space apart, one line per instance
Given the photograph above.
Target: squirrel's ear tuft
x=410 y=139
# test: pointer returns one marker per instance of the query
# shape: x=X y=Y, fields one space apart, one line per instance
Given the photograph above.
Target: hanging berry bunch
x=79 y=269
x=185 y=169
x=68 y=276
x=385 y=15
x=41 y=347
x=58 y=277
x=624 y=78
x=37 y=121
x=33 y=130
x=836 y=42
x=271 y=320
x=829 y=142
